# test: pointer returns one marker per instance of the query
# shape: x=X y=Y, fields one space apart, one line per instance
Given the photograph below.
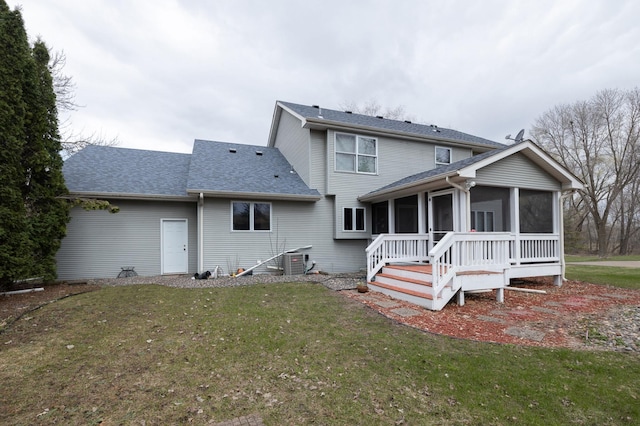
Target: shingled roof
x=220 y=168
x=103 y=170
x=329 y=116
x=214 y=168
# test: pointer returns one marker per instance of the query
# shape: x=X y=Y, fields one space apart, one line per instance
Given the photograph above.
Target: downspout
x=200 y=233
x=468 y=201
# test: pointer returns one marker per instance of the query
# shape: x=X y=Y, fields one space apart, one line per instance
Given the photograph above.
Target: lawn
x=292 y=354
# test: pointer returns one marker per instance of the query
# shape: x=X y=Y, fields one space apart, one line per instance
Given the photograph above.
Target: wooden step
x=405 y=279
x=420 y=294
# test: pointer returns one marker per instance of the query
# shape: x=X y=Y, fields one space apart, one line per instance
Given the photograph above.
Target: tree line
x=599 y=141
x=33 y=217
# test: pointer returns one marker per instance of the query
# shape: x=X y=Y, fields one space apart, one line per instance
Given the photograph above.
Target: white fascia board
x=275 y=121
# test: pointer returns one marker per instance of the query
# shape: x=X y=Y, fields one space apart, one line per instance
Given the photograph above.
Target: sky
x=157 y=74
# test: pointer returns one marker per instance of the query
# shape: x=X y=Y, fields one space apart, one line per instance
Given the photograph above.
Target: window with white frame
x=356 y=154
x=250 y=216
x=443 y=155
x=353 y=219
x=482 y=221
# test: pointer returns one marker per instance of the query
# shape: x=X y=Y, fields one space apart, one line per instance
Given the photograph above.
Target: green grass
x=293 y=354
x=608 y=275
x=593 y=258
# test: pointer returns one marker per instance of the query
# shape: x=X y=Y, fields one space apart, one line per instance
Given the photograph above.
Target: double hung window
x=357 y=154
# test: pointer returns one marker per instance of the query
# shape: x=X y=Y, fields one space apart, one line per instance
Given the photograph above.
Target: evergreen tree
x=32 y=217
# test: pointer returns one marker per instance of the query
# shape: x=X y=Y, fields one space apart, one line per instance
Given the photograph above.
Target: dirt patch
x=576 y=315
x=13 y=306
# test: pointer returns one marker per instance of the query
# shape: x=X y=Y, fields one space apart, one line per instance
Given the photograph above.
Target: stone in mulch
x=406 y=312
x=252 y=420
x=592 y=297
x=545 y=310
x=386 y=303
x=616 y=296
x=491 y=319
x=525 y=333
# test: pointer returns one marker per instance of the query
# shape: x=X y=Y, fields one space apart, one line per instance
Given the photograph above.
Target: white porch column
x=422 y=226
x=515 y=222
x=392 y=216
x=558 y=220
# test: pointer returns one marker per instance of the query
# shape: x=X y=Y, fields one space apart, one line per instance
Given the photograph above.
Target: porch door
x=441 y=216
x=175 y=253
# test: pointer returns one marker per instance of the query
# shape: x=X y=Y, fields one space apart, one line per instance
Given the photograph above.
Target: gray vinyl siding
x=294 y=224
x=98 y=243
x=293 y=142
x=318 y=161
x=396 y=160
x=517 y=171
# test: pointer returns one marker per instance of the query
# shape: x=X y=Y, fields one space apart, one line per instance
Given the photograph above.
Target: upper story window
x=443 y=155
x=357 y=154
x=247 y=216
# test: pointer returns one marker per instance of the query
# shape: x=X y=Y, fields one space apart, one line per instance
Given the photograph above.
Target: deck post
x=557 y=280
x=500 y=295
x=460 y=297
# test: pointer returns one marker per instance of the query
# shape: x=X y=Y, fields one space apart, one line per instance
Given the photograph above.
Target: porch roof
x=467 y=168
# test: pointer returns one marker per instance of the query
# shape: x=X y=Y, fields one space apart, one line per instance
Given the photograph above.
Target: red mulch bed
x=556 y=319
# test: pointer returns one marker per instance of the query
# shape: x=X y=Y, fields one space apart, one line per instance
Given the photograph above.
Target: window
x=406 y=212
x=443 y=155
x=251 y=216
x=357 y=154
x=490 y=209
x=482 y=221
x=353 y=219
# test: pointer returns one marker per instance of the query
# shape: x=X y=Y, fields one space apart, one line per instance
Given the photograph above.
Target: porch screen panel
x=536 y=212
x=406 y=211
x=380 y=218
x=490 y=209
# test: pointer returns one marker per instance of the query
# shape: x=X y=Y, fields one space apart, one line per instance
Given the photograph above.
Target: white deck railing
x=460 y=251
x=387 y=248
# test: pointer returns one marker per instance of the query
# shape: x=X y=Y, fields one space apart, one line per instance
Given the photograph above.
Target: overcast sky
x=158 y=74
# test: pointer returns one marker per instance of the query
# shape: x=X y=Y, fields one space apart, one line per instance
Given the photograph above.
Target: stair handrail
x=375 y=257
x=443 y=259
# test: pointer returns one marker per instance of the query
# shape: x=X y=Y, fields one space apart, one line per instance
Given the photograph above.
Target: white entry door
x=175 y=249
x=441 y=220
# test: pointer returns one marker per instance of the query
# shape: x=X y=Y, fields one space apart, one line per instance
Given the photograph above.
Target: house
x=427 y=211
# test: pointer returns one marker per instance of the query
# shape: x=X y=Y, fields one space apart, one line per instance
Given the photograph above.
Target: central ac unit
x=293 y=264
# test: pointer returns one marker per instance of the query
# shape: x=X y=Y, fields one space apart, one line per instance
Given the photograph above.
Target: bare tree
x=65 y=89
x=599 y=140
x=373 y=108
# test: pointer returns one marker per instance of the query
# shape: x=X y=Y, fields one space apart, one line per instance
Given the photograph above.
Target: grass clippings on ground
x=292 y=353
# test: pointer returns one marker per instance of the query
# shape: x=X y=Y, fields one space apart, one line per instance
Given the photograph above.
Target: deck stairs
x=413 y=283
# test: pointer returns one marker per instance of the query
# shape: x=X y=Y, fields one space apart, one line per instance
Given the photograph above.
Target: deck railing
x=460 y=251
x=388 y=248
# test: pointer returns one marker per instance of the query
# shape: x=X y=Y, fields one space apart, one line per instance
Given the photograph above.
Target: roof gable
x=317 y=116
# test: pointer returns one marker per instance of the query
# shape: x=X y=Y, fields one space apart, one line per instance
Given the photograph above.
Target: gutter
x=258 y=195
x=125 y=196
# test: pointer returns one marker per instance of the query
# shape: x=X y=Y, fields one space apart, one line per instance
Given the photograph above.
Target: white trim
x=354 y=219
